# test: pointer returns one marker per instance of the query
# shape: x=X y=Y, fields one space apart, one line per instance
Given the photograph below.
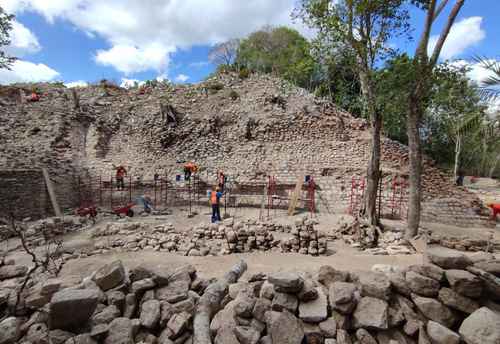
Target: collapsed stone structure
x=451 y=299
x=83 y=132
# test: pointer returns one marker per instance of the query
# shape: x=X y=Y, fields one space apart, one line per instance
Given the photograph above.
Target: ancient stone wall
x=23 y=193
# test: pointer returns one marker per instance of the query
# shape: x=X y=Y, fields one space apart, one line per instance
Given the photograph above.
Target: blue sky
x=88 y=40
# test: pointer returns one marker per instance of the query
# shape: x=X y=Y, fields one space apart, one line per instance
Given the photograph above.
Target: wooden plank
x=295 y=196
x=52 y=194
x=262 y=203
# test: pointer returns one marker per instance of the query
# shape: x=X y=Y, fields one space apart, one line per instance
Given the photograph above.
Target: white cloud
x=463 y=35
x=130 y=59
x=182 y=78
x=199 y=64
x=24 y=71
x=73 y=84
x=22 y=41
x=129 y=83
x=134 y=27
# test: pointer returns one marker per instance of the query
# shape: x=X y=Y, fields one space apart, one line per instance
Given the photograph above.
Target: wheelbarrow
x=124 y=210
x=87 y=211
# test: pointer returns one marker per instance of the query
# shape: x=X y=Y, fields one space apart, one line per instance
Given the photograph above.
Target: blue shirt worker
x=215 y=196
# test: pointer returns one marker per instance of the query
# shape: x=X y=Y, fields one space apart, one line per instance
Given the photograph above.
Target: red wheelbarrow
x=124 y=210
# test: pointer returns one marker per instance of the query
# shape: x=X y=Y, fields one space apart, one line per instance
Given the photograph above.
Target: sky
x=84 y=41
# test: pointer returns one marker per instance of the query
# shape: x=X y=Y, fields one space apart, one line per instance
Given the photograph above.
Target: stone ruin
x=81 y=133
x=451 y=299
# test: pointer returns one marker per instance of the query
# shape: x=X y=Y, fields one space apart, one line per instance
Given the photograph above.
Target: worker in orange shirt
x=495 y=208
x=189 y=169
x=215 y=195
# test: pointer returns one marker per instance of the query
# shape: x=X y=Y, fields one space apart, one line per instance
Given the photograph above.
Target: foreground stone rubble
x=452 y=299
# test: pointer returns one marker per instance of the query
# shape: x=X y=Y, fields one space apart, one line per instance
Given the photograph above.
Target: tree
x=5 y=27
x=490 y=86
x=224 y=53
x=362 y=28
x=424 y=66
x=282 y=51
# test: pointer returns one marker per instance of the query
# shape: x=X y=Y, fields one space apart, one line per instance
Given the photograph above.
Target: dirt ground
x=345 y=257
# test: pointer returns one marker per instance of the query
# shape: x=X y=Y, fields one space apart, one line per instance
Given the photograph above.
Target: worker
x=121 y=172
x=34 y=97
x=189 y=169
x=215 y=195
x=146 y=202
x=495 y=208
x=460 y=179
x=221 y=179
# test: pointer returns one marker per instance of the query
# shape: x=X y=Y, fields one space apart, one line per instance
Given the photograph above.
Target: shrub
x=244 y=73
x=215 y=87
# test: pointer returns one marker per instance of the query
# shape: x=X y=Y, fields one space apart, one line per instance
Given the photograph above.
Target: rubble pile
x=306 y=240
x=451 y=299
x=372 y=239
x=461 y=242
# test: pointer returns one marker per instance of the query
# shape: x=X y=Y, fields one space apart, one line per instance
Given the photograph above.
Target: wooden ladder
x=295 y=196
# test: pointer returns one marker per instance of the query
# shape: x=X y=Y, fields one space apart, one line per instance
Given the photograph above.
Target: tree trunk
x=458 y=148
x=373 y=169
x=415 y=155
x=210 y=301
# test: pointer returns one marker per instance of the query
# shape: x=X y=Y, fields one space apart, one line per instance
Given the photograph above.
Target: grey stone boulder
x=175 y=291
x=375 y=284
x=178 y=323
x=342 y=297
x=9 y=330
x=371 y=313
x=434 y=310
x=286 y=329
x=247 y=335
x=84 y=338
x=59 y=336
x=328 y=275
x=308 y=292
x=260 y=308
x=422 y=285
x=80 y=303
x=244 y=306
x=316 y=310
x=267 y=291
x=490 y=266
x=150 y=314
x=143 y=285
x=343 y=337
x=11 y=271
x=286 y=282
x=364 y=337
x=447 y=258
x=282 y=301
x=328 y=328
x=106 y=316
x=428 y=270
x=464 y=283
x=121 y=331
x=491 y=282
x=110 y=275
x=37 y=334
x=398 y=283
x=481 y=327
x=456 y=301
x=440 y=334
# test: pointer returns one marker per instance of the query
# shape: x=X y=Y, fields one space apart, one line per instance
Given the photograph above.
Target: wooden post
x=52 y=195
x=295 y=196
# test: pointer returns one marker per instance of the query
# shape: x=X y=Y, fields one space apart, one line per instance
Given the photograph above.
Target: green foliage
x=214 y=86
x=280 y=50
x=5 y=28
x=244 y=73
